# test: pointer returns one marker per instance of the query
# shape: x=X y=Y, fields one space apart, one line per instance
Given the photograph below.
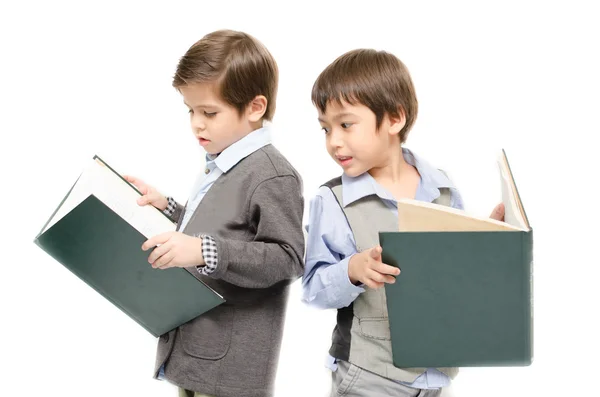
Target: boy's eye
x=207 y=114
x=190 y=111
x=325 y=129
x=346 y=125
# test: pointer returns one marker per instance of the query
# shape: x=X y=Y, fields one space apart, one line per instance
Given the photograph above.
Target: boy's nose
x=335 y=139
x=198 y=124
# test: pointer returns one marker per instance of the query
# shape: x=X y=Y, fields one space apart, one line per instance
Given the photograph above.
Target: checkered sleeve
x=171 y=207
x=209 y=251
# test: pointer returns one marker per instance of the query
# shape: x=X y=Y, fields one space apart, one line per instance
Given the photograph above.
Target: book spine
x=527 y=257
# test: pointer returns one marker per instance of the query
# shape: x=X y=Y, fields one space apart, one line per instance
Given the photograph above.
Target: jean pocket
x=349 y=374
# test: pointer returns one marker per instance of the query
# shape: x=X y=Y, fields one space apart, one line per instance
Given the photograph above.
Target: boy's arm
x=173 y=210
x=330 y=246
x=278 y=248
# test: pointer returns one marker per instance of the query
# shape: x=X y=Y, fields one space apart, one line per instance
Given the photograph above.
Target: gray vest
x=362 y=334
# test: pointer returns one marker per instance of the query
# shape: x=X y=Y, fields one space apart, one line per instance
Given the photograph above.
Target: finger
x=169 y=264
x=165 y=261
x=156 y=240
x=375 y=276
x=375 y=252
x=158 y=253
x=380 y=278
x=498 y=212
x=383 y=268
x=373 y=284
x=145 y=199
x=149 y=198
x=138 y=183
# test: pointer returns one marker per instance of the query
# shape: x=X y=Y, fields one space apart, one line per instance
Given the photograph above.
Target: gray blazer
x=254 y=212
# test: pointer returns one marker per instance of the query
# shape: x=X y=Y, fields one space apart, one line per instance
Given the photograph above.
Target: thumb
x=148 y=198
x=139 y=185
x=375 y=252
x=498 y=212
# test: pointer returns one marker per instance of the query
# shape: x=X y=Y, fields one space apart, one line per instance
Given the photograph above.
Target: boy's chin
x=354 y=172
x=212 y=150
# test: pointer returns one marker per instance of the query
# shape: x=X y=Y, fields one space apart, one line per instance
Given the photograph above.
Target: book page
x=419 y=216
x=513 y=211
x=118 y=195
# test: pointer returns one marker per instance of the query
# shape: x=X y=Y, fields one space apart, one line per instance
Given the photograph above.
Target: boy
x=241 y=230
x=367 y=105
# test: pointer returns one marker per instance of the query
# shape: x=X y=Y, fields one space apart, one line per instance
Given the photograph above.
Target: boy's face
x=353 y=140
x=215 y=123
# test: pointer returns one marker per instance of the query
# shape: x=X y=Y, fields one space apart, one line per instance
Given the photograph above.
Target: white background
x=89 y=78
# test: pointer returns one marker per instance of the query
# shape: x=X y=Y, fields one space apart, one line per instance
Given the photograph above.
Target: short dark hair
x=376 y=79
x=241 y=66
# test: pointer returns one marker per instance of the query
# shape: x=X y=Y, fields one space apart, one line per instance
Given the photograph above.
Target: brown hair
x=376 y=79
x=241 y=65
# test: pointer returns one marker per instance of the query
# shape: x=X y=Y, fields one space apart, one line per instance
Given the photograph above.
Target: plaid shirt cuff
x=209 y=251
x=171 y=206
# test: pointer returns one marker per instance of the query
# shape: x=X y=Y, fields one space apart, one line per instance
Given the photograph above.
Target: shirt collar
x=241 y=149
x=432 y=179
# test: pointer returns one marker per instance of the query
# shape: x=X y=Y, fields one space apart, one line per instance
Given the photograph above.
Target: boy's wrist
x=164 y=203
x=351 y=269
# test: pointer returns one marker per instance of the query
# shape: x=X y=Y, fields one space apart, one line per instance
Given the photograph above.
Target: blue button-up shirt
x=330 y=243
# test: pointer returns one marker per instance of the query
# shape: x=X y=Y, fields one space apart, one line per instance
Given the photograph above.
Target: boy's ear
x=257 y=108
x=397 y=122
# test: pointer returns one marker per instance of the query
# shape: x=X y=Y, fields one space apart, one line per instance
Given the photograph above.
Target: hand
x=498 y=213
x=367 y=268
x=174 y=249
x=150 y=194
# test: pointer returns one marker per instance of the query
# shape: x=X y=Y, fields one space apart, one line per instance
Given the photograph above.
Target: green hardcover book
x=464 y=294
x=97 y=233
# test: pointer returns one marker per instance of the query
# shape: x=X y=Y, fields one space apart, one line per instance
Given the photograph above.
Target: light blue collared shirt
x=221 y=164
x=330 y=243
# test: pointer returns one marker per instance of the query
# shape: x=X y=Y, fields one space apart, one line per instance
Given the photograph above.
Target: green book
x=464 y=294
x=97 y=233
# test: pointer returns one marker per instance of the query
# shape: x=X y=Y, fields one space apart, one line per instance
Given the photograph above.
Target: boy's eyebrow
x=201 y=106
x=338 y=116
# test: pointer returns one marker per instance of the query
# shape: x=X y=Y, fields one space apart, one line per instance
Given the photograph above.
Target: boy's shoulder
x=267 y=163
x=427 y=169
x=330 y=184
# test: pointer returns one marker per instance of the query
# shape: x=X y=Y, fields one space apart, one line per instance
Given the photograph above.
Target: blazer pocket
x=209 y=335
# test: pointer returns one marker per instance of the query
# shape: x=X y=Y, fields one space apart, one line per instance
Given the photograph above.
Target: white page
x=512 y=214
x=100 y=181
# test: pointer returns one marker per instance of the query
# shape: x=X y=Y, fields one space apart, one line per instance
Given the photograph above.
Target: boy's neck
x=395 y=174
x=392 y=166
x=256 y=126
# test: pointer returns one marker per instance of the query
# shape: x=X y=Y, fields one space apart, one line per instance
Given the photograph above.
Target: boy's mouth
x=203 y=142
x=344 y=160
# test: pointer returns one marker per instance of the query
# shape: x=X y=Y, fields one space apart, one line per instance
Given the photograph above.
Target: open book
x=464 y=294
x=419 y=216
x=100 y=180
x=97 y=233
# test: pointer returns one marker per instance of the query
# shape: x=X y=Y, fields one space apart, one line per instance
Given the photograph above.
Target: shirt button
x=206 y=171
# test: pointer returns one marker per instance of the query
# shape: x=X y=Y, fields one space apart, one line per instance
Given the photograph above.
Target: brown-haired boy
x=367 y=105
x=241 y=230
